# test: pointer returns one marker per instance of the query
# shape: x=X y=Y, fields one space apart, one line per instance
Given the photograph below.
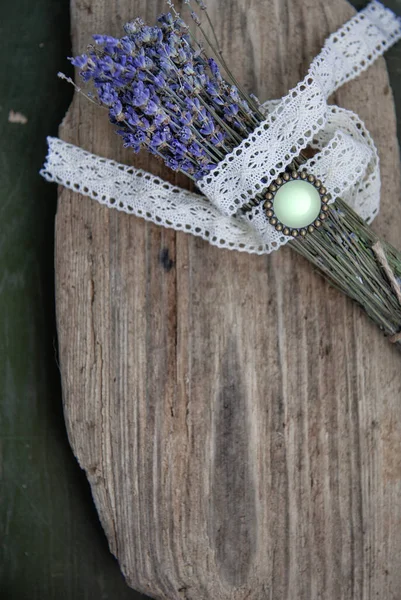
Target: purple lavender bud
x=165 y=64
x=179 y=148
x=146 y=34
x=213 y=67
x=129 y=74
x=189 y=69
x=187 y=166
x=107 y=95
x=128 y=138
x=140 y=137
x=218 y=138
x=158 y=35
x=180 y=24
x=166 y=22
x=181 y=56
x=104 y=65
x=168 y=19
x=234 y=94
x=193 y=104
x=79 y=61
x=186 y=118
x=208 y=127
x=139 y=61
x=144 y=124
x=172 y=106
x=105 y=39
x=199 y=173
x=131 y=116
x=196 y=150
x=212 y=89
x=140 y=94
x=151 y=108
x=127 y=45
x=188 y=87
x=134 y=26
x=159 y=80
x=86 y=75
x=201 y=78
x=110 y=43
x=204 y=170
x=160 y=119
x=218 y=100
x=173 y=164
x=186 y=134
x=203 y=115
x=116 y=111
x=117 y=75
x=167 y=51
x=130 y=141
x=173 y=39
x=161 y=137
x=231 y=110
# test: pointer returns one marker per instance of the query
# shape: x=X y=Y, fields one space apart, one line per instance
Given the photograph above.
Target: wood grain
x=238 y=419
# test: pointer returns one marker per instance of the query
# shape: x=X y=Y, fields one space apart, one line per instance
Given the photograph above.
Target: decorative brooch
x=296 y=203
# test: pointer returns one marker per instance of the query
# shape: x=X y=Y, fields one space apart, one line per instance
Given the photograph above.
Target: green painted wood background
x=51 y=543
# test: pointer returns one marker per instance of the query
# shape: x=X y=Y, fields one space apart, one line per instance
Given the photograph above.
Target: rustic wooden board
x=238 y=419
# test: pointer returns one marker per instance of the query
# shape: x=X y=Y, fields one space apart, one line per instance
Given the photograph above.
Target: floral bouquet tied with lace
x=166 y=95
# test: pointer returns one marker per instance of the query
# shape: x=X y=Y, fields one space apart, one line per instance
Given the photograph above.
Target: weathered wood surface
x=238 y=419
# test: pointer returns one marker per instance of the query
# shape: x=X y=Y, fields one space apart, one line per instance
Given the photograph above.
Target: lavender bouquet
x=164 y=94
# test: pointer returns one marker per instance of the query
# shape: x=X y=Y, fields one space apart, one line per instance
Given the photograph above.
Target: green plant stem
x=342 y=249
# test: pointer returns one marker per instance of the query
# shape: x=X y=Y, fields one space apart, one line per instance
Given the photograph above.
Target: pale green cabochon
x=297 y=204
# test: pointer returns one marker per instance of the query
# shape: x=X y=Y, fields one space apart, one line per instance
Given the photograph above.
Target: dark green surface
x=52 y=545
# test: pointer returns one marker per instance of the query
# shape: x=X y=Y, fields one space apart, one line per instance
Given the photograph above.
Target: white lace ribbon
x=347 y=160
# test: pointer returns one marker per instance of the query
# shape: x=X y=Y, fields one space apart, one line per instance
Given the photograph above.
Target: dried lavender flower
x=165 y=95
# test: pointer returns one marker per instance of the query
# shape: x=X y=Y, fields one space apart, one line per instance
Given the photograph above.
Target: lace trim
x=137 y=192
x=298 y=117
